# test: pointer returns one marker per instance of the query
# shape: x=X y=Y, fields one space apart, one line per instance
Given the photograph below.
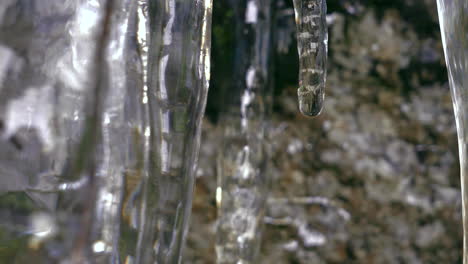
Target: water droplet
x=310 y=101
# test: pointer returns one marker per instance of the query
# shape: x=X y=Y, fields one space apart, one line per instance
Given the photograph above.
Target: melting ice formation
x=312 y=45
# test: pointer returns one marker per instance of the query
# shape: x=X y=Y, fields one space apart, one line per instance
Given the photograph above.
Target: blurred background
x=373 y=179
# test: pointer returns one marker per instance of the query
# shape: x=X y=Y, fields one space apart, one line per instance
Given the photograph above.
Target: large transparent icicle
x=453 y=15
x=121 y=151
x=178 y=64
x=58 y=74
x=312 y=44
x=242 y=181
x=98 y=178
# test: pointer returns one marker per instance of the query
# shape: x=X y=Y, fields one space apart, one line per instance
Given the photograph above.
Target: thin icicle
x=179 y=43
x=242 y=181
x=312 y=44
x=453 y=18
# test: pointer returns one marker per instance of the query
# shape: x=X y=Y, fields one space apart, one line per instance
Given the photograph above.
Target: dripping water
x=312 y=45
x=242 y=178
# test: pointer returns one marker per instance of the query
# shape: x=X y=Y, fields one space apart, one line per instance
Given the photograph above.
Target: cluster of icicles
x=104 y=99
x=128 y=123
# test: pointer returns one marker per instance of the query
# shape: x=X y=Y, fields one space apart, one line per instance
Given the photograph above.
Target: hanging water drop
x=312 y=45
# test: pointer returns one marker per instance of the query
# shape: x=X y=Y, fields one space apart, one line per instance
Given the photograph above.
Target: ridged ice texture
x=178 y=66
x=88 y=173
x=312 y=45
x=121 y=153
x=54 y=116
x=453 y=17
x=242 y=181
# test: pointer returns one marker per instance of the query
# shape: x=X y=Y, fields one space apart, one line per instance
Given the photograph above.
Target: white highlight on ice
x=251 y=15
x=162 y=77
x=7 y=56
x=99 y=247
x=32 y=110
x=219 y=195
x=42 y=225
x=250 y=77
x=167 y=39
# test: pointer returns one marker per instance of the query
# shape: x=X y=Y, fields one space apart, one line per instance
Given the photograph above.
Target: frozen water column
x=179 y=40
x=54 y=83
x=453 y=17
x=100 y=114
x=242 y=181
x=312 y=45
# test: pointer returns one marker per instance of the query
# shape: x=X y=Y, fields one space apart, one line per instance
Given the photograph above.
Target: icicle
x=120 y=171
x=178 y=75
x=452 y=17
x=242 y=182
x=312 y=44
x=53 y=73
